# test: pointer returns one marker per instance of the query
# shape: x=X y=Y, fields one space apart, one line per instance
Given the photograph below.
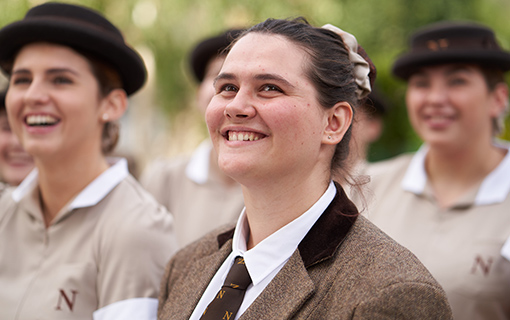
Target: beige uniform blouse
x=460 y=245
x=105 y=250
x=199 y=201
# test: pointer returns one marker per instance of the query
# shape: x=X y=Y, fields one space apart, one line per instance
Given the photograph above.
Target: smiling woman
x=280 y=122
x=455 y=191
x=79 y=238
x=15 y=162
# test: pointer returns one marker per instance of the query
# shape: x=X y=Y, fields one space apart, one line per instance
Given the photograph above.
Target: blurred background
x=162 y=120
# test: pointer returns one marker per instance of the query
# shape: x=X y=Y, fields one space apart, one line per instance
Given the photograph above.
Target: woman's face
x=15 y=162
x=451 y=106
x=53 y=102
x=265 y=120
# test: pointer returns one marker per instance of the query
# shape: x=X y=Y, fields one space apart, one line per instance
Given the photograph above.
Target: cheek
x=4 y=141
x=214 y=115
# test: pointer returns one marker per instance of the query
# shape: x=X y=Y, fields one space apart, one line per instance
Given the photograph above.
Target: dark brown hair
x=108 y=79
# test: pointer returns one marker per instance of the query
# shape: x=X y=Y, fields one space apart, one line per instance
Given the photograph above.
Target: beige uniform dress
x=104 y=250
x=199 y=201
x=460 y=245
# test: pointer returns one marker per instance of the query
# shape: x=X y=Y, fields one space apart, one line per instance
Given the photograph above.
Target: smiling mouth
x=243 y=136
x=41 y=120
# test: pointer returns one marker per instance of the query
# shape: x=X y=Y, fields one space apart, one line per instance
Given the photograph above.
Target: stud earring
x=329 y=137
x=106 y=117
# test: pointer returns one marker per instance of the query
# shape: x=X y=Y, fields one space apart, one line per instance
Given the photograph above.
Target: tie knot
x=238 y=277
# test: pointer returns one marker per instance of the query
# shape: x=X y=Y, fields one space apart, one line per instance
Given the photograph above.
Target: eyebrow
x=263 y=76
x=49 y=71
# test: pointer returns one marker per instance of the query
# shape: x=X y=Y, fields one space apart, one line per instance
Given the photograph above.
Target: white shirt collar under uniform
x=197 y=169
x=91 y=194
x=494 y=188
x=268 y=257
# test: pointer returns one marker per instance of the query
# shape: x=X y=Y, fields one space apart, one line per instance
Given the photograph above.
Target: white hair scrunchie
x=361 y=66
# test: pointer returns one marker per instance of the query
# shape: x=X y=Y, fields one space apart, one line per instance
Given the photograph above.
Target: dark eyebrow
x=50 y=71
x=459 y=68
x=273 y=77
x=264 y=76
x=224 y=76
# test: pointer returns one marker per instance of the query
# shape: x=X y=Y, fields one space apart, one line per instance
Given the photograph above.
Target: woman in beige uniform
x=193 y=188
x=79 y=238
x=15 y=162
x=280 y=122
x=449 y=203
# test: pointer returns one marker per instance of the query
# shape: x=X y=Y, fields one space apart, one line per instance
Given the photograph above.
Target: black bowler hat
x=452 y=42
x=210 y=48
x=80 y=28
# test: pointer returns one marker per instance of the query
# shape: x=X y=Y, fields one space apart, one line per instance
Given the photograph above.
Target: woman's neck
x=270 y=207
x=453 y=173
x=62 y=179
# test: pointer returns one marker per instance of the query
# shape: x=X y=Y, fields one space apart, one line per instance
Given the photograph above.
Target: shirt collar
x=197 y=169
x=278 y=247
x=91 y=194
x=494 y=188
x=415 y=178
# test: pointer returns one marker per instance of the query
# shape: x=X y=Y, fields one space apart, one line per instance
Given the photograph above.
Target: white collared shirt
x=494 y=188
x=197 y=169
x=267 y=258
x=91 y=194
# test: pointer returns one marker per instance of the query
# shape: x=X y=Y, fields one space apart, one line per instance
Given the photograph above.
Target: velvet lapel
x=185 y=295
x=279 y=300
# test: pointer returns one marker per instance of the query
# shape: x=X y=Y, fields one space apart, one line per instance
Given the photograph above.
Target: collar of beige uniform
x=494 y=188
x=91 y=194
x=197 y=169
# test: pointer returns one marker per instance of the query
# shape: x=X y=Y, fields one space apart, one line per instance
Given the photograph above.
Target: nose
x=241 y=107
x=437 y=93
x=36 y=93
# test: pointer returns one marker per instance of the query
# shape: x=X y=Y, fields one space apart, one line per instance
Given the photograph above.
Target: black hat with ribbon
x=80 y=28
x=452 y=42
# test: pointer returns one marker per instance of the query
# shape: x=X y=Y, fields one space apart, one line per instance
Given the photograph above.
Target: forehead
x=447 y=69
x=46 y=52
x=266 y=53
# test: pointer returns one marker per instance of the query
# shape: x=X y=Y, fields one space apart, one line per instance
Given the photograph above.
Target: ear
x=113 y=106
x=339 y=120
x=500 y=96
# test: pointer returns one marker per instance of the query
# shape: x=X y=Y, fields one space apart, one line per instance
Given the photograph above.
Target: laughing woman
x=455 y=190
x=280 y=122
x=79 y=238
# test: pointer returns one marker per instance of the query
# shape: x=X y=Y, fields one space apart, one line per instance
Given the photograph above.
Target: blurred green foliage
x=382 y=27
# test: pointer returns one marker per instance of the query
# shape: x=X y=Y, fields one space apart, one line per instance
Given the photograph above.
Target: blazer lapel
x=279 y=300
x=185 y=295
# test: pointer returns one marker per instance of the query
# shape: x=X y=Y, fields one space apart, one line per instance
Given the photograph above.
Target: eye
x=16 y=80
x=62 y=80
x=457 y=81
x=227 y=88
x=271 y=87
x=418 y=82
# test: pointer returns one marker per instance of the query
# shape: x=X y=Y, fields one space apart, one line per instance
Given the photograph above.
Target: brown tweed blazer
x=344 y=268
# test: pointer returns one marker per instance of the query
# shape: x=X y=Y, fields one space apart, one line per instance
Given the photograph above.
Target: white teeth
x=36 y=120
x=239 y=136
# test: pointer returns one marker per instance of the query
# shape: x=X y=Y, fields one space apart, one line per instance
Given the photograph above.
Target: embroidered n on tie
x=229 y=298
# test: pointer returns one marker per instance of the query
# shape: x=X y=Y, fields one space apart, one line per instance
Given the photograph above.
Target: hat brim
x=410 y=63
x=90 y=40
